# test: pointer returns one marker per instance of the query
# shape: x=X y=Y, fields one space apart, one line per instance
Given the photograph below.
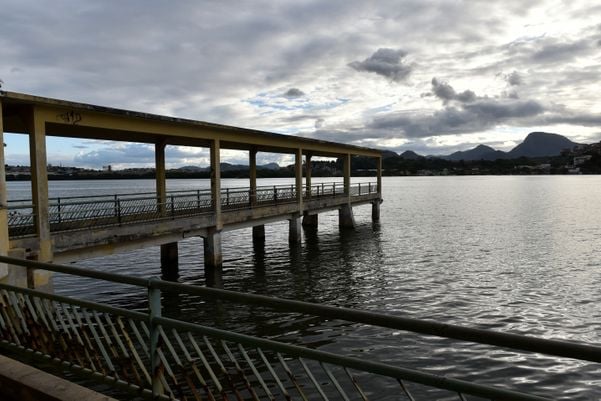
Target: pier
x=68 y=228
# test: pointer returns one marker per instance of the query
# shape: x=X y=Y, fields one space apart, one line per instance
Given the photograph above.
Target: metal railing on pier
x=165 y=358
x=76 y=212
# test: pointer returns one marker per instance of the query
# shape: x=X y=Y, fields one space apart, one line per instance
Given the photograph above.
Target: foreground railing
x=161 y=357
x=71 y=213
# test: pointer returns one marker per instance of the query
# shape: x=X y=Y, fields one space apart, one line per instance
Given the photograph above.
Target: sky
x=429 y=76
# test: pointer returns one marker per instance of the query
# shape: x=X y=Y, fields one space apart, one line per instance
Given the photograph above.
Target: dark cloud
x=385 y=62
x=561 y=52
x=514 y=78
x=446 y=93
x=480 y=115
x=293 y=93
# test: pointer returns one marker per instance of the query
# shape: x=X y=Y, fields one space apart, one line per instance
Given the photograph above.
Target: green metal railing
x=77 y=212
x=161 y=357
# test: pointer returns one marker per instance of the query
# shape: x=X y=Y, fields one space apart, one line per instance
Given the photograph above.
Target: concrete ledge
x=20 y=382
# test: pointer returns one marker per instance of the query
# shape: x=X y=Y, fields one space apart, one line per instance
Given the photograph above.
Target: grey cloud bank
x=349 y=71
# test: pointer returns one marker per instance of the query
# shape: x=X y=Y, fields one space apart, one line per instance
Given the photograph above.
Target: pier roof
x=80 y=120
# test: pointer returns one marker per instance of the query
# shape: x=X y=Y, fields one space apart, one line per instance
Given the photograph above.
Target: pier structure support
x=258 y=231
x=4 y=242
x=169 y=251
x=345 y=213
x=345 y=217
x=308 y=172
x=295 y=234
x=375 y=211
x=310 y=220
x=212 y=249
x=212 y=241
x=259 y=234
x=39 y=279
x=170 y=260
x=298 y=174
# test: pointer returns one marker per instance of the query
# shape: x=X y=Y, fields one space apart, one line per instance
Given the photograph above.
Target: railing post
x=58 y=206
x=198 y=198
x=154 y=311
x=322 y=188
x=118 y=209
x=172 y=206
x=359 y=189
x=275 y=194
x=369 y=187
x=227 y=196
x=334 y=189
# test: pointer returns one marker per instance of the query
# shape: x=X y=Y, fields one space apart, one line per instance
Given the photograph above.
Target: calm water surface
x=515 y=254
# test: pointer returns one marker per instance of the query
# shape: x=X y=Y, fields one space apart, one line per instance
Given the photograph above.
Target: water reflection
x=517 y=254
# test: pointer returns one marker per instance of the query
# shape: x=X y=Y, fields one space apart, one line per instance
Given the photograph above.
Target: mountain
x=388 y=154
x=540 y=144
x=480 y=152
x=269 y=166
x=410 y=155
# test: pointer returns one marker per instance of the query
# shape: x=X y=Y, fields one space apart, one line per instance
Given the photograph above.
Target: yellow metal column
x=4 y=243
x=39 y=194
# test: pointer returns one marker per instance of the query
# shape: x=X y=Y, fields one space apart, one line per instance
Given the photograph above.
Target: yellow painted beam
x=87 y=121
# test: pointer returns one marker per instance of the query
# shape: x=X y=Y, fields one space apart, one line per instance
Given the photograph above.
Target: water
x=515 y=254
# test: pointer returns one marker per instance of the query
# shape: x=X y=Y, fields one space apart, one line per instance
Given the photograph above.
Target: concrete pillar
x=39 y=184
x=259 y=233
x=295 y=235
x=298 y=174
x=160 y=176
x=39 y=279
x=4 y=243
x=346 y=170
x=170 y=260
x=252 y=166
x=375 y=211
x=345 y=217
x=310 y=220
x=308 y=174
x=216 y=182
x=212 y=248
x=379 y=168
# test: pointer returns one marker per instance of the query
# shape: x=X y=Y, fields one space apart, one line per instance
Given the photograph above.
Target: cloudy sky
x=431 y=76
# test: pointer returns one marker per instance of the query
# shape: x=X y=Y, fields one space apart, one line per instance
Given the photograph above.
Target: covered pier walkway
x=69 y=228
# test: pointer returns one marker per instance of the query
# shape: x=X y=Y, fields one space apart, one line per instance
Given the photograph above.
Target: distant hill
x=410 y=155
x=228 y=167
x=480 y=152
x=540 y=144
x=536 y=144
x=388 y=153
